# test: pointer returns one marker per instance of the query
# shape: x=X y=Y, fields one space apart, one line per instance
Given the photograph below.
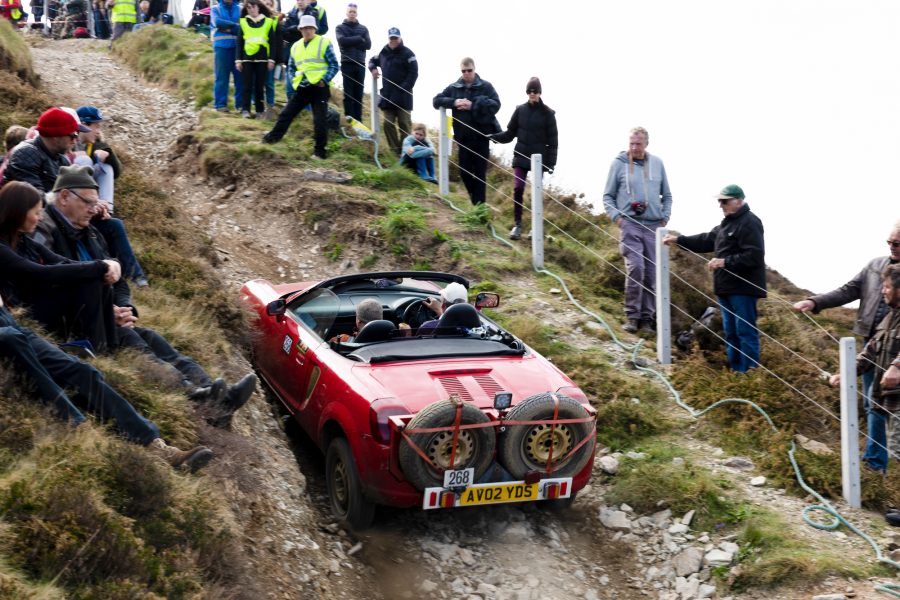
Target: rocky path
x=522 y=553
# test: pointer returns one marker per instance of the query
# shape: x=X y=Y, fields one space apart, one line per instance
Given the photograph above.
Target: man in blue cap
x=399 y=70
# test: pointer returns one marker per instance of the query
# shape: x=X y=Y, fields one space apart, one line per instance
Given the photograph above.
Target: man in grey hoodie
x=637 y=199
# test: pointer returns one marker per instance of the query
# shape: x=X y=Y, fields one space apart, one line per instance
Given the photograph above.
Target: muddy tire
x=475 y=447
x=348 y=503
x=525 y=448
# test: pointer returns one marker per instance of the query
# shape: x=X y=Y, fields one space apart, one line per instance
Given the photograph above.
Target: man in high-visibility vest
x=316 y=67
x=123 y=15
x=12 y=10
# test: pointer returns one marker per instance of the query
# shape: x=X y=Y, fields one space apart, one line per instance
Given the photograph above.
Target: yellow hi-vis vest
x=124 y=11
x=310 y=60
x=256 y=37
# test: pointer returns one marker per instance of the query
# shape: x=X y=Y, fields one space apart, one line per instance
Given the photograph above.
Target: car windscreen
x=436 y=347
x=316 y=309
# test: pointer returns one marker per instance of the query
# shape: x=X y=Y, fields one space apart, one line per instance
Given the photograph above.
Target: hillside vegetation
x=169 y=535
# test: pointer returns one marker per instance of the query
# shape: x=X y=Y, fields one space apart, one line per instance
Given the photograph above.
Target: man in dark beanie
x=65 y=228
x=37 y=161
x=533 y=124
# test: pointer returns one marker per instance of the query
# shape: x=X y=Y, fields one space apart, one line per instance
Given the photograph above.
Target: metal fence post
x=849 y=424
x=376 y=124
x=537 y=211
x=663 y=309
x=444 y=155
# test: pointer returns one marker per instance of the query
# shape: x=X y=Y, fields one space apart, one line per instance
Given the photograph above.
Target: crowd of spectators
x=66 y=263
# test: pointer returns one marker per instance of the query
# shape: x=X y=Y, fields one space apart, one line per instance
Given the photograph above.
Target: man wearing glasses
x=37 y=161
x=865 y=287
x=475 y=104
x=739 y=273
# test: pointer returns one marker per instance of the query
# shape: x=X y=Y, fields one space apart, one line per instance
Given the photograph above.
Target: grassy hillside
x=85 y=514
x=400 y=223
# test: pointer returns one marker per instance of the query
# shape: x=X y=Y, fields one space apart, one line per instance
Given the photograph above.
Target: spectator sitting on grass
x=15 y=134
x=418 y=153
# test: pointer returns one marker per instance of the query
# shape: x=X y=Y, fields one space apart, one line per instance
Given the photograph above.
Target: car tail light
x=379 y=413
x=575 y=393
x=551 y=492
x=448 y=499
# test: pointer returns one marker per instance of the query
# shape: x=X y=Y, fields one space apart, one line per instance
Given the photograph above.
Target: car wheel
x=348 y=503
x=525 y=448
x=475 y=447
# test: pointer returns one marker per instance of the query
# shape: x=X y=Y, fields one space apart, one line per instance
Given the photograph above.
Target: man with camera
x=637 y=199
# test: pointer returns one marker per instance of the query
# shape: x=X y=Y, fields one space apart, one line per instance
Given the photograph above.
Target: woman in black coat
x=70 y=298
x=533 y=124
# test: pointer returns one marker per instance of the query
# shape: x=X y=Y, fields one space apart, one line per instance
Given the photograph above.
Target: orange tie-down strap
x=457 y=427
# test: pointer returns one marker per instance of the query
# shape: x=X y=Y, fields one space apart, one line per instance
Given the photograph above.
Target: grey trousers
x=637 y=244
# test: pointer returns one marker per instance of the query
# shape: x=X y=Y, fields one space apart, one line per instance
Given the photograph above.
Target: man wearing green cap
x=739 y=273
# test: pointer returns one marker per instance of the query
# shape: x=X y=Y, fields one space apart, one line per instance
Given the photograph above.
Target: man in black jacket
x=739 y=273
x=475 y=104
x=66 y=229
x=400 y=70
x=353 y=40
x=37 y=161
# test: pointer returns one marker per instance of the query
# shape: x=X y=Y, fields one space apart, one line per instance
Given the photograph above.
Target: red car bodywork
x=330 y=395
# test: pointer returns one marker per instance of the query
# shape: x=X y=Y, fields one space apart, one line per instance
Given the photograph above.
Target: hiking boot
x=270 y=139
x=647 y=327
x=214 y=393
x=631 y=326
x=141 y=282
x=316 y=157
x=238 y=394
x=188 y=460
x=223 y=109
x=516 y=232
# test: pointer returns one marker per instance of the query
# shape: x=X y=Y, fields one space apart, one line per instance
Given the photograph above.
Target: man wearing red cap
x=37 y=161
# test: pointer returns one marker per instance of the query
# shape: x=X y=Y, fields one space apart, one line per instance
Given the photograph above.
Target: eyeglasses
x=532 y=92
x=90 y=203
x=74 y=136
x=725 y=200
x=467 y=70
x=893 y=243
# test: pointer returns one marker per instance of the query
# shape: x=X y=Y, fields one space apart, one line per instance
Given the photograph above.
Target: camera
x=638 y=207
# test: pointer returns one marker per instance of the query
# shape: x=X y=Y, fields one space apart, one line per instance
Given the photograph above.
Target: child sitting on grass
x=418 y=153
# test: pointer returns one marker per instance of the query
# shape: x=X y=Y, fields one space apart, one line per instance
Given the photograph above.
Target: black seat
x=375 y=331
x=459 y=316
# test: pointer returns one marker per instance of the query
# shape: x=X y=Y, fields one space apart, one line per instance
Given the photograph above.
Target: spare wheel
x=474 y=447
x=525 y=448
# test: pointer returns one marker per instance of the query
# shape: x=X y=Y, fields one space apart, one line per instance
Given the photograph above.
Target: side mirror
x=276 y=308
x=487 y=300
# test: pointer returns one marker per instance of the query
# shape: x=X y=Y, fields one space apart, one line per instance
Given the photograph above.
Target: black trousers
x=254 y=74
x=354 y=86
x=157 y=347
x=82 y=311
x=311 y=95
x=473 y=160
x=51 y=369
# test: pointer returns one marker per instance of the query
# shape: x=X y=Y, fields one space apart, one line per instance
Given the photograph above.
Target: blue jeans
x=224 y=68
x=876 y=454
x=741 y=334
x=50 y=368
x=424 y=167
x=289 y=73
x=160 y=350
x=113 y=231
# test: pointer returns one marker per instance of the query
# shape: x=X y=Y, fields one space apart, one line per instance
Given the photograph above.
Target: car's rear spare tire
x=348 y=503
x=475 y=447
x=525 y=448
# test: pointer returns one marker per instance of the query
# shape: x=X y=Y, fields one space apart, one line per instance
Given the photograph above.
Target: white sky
x=797 y=102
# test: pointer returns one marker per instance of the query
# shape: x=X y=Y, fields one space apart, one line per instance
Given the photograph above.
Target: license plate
x=460 y=478
x=497 y=493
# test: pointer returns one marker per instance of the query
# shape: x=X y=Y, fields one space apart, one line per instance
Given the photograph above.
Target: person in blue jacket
x=224 y=18
x=418 y=153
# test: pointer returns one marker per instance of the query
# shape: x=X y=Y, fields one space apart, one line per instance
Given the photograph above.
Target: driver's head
x=454 y=293
x=367 y=311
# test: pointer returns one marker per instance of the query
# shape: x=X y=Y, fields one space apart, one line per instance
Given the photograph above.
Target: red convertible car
x=461 y=414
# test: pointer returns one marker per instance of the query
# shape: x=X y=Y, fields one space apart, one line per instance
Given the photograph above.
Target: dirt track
x=498 y=552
